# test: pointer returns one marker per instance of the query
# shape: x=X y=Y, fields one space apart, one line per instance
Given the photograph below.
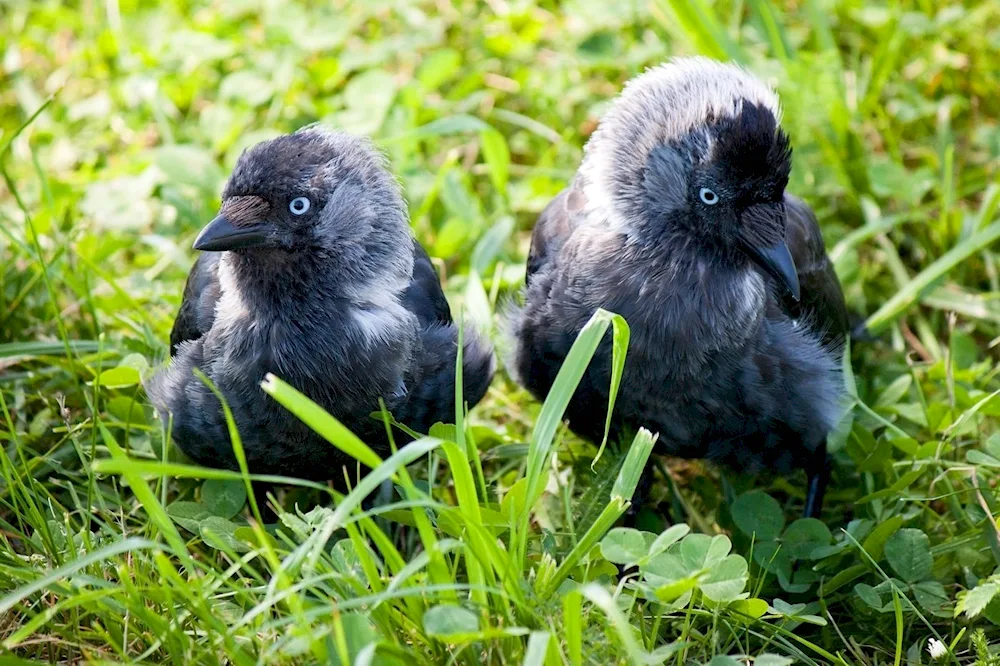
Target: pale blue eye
x=708 y=196
x=299 y=205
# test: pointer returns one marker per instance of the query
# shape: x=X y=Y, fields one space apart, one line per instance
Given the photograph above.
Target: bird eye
x=299 y=205
x=708 y=196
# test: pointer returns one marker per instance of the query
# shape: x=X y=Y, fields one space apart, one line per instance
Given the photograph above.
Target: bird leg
x=818 y=473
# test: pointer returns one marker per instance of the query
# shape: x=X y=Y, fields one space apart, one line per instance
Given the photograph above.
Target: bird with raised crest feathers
x=310 y=272
x=679 y=221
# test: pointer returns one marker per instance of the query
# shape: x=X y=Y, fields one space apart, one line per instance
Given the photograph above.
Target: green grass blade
x=131 y=544
x=621 y=494
x=563 y=388
x=906 y=296
x=320 y=421
x=147 y=498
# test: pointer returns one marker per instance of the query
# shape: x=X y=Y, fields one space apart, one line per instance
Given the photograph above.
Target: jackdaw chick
x=678 y=220
x=311 y=272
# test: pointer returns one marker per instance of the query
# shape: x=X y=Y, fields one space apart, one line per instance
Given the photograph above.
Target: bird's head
x=313 y=193
x=695 y=146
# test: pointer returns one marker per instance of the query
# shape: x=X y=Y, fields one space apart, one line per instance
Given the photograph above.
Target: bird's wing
x=424 y=296
x=822 y=299
x=555 y=224
x=201 y=292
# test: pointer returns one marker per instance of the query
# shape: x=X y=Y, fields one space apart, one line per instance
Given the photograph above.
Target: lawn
x=120 y=121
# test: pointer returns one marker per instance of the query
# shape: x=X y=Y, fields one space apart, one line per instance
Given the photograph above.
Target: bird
x=310 y=271
x=678 y=220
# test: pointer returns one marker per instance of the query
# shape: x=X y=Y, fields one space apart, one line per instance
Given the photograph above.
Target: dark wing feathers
x=822 y=299
x=201 y=292
x=553 y=227
x=424 y=296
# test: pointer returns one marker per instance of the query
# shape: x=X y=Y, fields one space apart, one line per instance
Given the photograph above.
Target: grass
x=120 y=120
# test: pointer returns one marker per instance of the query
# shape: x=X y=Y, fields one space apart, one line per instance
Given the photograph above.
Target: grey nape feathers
x=679 y=221
x=311 y=273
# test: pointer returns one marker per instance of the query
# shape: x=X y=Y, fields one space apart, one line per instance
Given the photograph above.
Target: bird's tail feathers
x=509 y=332
x=479 y=364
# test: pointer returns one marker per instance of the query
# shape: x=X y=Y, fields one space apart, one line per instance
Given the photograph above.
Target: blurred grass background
x=120 y=120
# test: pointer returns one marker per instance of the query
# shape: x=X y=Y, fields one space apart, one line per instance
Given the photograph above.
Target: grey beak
x=220 y=235
x=777 y=261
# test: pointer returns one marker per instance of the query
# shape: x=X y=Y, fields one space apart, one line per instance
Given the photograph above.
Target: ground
x=120 y=120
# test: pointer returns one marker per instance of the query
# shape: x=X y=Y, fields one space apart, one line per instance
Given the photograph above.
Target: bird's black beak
x=777 y=261
x=763 y=240
x=220 y=235
x=241 y=223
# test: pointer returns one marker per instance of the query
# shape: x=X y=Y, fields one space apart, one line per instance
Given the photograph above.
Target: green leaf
x=497 y=156
x=447 y=620
x=758 y=514
x=120 y=377
x=188 y=515
x=558 y=398
x=874 y=543
x=700 y=551
x=869 y=595
x=126 y=409
x=974 y=601
x=895 y=391
x=768 y=659
x=909 y=555
x=538 y=643
x=665 y=567
x=804 y=536
x=624 y=545
x=223 y=498
x=726 y=580
x=674 y=590
x=220 y=534
x=752 y=608
x=514 y=500
x=931 y=595
x=794 y=611
x=346 y=561
x=671 y=535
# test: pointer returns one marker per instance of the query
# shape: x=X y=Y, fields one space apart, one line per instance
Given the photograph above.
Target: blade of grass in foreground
x=621 y=494
x=367 y=485
x=563 y=388
x=320 y=421
x=65 y=571
x=147 y=498
x=905 y=297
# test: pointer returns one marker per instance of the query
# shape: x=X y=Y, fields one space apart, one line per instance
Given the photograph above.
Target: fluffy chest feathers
x=322 y=341
x=681 y=303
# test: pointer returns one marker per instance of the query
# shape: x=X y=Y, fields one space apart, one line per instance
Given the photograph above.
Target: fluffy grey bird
x=310 y=272
x=678 y=220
